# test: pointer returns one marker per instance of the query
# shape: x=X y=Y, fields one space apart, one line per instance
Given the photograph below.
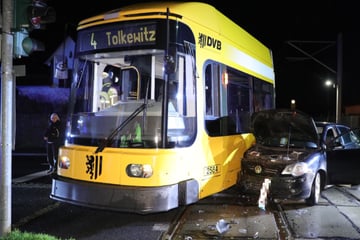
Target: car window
x=348 y=138
x=343 y=129
x=345 y=134
x=329 y=135
x=320 y=129
x=354 y=136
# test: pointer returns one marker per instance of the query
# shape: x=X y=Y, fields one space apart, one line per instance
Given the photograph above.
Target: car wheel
x=315 y=191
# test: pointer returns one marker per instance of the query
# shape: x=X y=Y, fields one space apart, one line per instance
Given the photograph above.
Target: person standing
x=51 y=136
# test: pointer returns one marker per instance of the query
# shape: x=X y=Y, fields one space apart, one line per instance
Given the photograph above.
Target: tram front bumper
x=142 y=200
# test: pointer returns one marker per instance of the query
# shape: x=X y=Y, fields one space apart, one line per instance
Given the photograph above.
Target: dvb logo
x=209 y=42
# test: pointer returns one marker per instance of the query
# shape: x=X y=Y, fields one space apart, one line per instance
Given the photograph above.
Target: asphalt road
x=337 y=216
x=34 y=211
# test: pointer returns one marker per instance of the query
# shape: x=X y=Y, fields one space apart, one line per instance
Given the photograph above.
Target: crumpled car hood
x=261 y=154
x=280 y=127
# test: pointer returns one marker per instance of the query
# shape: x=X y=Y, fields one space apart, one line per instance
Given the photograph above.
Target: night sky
x=274 y=23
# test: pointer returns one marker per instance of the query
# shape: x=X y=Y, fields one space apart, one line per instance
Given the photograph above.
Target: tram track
x=285 y=231
x=338 y=211
x=229 y=215
x=245 y=220
x=347 y=196
x=345 y=191
x=354 y=199
x=244 y=217
x=175 y=224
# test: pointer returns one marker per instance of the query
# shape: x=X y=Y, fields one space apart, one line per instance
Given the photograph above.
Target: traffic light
x=39 y=14
x=20 y=14
x=24 y=45
x=30 y=15
x=19 y=36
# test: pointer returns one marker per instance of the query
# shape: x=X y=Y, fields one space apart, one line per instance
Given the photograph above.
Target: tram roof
x=195 y=13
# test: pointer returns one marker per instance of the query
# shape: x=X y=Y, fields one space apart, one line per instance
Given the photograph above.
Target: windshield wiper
x=106 y=142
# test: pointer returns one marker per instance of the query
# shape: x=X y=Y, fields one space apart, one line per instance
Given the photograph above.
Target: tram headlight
x=64 y=162
x=139 y=170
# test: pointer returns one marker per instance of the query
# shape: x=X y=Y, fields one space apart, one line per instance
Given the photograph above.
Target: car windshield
x=284 y=128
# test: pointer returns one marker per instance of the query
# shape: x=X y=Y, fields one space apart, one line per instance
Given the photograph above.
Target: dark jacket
x=52 y=132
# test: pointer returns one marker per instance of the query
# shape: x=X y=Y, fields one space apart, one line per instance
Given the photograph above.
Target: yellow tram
x=160 y=106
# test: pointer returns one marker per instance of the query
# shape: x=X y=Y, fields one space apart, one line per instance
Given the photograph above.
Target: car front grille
x=266 y=171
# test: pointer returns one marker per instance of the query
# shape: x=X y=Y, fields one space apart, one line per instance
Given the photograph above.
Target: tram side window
x=212 y=79
x=214 y=123
x=239 y=90
x=227 y=100
x=263 y=95
x=208 y=91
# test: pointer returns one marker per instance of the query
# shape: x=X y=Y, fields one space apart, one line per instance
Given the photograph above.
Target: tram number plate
x=211 y=170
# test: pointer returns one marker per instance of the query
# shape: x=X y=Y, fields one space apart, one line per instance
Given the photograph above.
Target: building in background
x=62 y=62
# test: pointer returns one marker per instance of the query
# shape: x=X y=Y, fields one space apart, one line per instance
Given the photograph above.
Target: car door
x=343 y=158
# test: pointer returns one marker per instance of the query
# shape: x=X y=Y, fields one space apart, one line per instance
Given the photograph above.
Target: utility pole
x=7 y=96
x=339 y=72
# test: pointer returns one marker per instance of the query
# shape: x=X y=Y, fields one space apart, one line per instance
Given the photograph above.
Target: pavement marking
x=36 y=214
x=30 y=177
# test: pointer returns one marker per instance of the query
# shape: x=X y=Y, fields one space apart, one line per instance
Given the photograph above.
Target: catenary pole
x=7 y=92
x=338 y=112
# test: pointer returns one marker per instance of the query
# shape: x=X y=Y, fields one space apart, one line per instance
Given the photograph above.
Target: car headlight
x=296 y=169
x=139 y=170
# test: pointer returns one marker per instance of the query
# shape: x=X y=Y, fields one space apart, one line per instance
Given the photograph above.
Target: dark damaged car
x=295 y=159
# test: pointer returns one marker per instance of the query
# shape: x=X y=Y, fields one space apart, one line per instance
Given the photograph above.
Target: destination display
x=116 y=35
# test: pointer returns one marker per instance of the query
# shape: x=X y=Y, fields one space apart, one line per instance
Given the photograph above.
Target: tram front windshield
x=125 y=99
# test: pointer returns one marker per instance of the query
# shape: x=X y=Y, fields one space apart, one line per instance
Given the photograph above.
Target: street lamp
x=293 y=104
x=328 y=84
